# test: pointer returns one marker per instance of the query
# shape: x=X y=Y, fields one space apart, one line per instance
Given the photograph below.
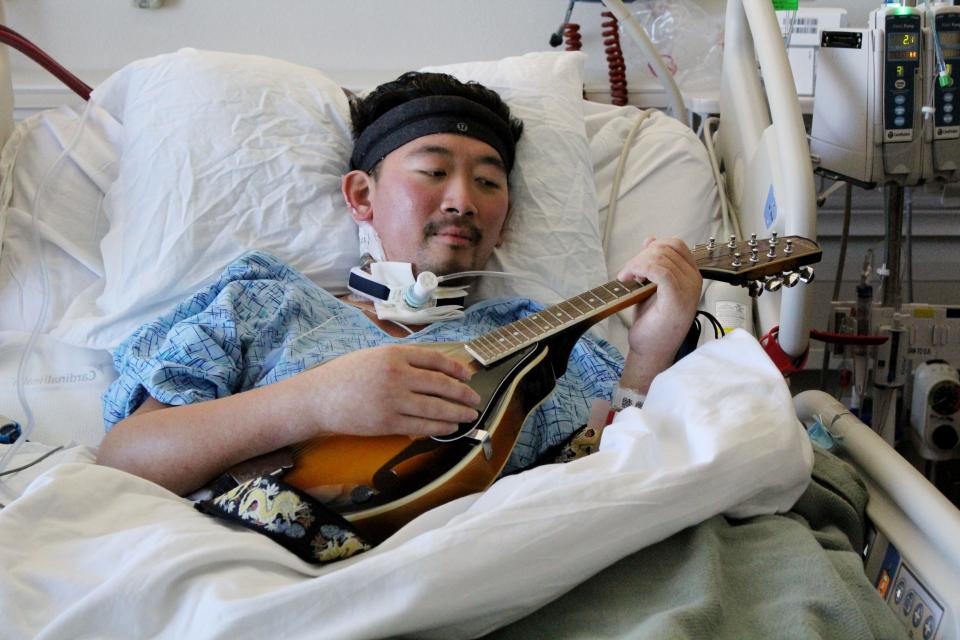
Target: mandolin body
x=380 y=483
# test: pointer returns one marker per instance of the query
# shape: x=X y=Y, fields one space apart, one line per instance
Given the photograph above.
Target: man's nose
x=458 y=197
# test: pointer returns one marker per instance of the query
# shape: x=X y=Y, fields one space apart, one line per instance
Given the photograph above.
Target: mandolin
x=381 y=483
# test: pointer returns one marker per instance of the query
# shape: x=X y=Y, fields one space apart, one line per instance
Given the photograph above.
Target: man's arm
x=662 y=321
x=390 y=389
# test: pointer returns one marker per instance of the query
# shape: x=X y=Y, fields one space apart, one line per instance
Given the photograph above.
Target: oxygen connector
x=419 y=294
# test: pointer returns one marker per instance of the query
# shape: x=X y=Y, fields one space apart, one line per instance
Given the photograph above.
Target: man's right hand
x=389 y=389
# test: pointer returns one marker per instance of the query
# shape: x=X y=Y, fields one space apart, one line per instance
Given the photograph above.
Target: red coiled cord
x=615 y=63
x=572 y=37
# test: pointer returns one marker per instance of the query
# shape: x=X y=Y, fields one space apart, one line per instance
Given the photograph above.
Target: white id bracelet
x=623 y=398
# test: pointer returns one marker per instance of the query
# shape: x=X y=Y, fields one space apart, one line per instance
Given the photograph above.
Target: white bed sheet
x=88 y=551
x=62 y=384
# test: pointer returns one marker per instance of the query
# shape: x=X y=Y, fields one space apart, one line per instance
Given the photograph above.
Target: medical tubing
x=636 y=31
x=618 y=177
x=499 y=274
x=45 y=289
x=789 y=35
x=731 y=223
x=13 y=39
x=616 y=66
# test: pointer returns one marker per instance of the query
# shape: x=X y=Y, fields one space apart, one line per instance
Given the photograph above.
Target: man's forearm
x=182 y=448
x=639 y=370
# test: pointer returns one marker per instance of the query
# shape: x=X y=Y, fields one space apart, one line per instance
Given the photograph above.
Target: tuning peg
x=733 y=242
x=772 y=283
x=753 y=240
x=806 y=274
x=754 y=258
x=754 y=289
x=789 y=248
x=791 y=279
x=736 y=260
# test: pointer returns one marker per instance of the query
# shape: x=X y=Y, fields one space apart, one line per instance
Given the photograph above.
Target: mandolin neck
x=582 y=311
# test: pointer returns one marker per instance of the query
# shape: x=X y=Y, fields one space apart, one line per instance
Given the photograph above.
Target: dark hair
x=415 y=84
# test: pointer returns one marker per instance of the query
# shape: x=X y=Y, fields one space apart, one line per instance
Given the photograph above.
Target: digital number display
x=901 y=41
x=902 y=55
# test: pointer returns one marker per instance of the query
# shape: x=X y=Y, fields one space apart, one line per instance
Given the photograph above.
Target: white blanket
x=88 y=551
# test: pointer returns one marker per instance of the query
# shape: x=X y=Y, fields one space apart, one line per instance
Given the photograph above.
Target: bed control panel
x=904 y=593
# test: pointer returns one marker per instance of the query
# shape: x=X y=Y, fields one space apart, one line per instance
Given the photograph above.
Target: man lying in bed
x=232 y=372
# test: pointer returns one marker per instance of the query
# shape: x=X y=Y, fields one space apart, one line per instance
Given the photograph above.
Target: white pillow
x=221 y=153
x=70 y=225
x=207 y=172
x=667 y=189
x=552 y=233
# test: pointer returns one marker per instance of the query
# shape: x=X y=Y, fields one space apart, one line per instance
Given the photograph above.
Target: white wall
x=357 y=43
x=362 y=42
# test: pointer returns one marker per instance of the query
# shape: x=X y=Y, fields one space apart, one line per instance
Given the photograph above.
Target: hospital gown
x=262 y=322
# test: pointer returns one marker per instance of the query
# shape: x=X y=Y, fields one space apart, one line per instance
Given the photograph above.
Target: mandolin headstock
x=759 y=265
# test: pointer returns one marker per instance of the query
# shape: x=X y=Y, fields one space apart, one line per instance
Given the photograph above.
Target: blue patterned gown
x=262 y=322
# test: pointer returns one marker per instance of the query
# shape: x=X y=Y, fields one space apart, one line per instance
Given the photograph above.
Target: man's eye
x=434 y=173
x=488 y=183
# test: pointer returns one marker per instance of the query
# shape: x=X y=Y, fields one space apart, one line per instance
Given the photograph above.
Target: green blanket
x=793 y=575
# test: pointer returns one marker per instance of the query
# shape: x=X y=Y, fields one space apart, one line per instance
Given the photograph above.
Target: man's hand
x=389 y=390
x=662 y=321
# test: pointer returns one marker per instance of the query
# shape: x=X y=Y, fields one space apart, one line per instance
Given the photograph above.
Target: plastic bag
x=689 y=38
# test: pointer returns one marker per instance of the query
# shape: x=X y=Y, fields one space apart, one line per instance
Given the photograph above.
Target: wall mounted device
x=868 y=111
x=942 y=93
x=935 y=411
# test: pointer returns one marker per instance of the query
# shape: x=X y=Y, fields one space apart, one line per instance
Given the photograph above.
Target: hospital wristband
x=624 y=397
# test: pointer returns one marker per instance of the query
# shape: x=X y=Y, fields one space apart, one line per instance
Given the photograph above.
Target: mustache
x=464 y=228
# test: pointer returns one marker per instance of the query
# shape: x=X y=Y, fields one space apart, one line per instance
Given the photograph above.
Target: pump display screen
x=902 y=46
x=949 y=38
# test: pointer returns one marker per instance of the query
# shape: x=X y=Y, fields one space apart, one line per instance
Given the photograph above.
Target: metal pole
x=894 y=238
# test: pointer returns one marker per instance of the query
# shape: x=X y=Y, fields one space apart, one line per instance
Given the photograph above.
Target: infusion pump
x=887 y=106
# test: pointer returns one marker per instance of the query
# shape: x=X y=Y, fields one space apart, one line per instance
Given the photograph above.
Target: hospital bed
x=622 y=543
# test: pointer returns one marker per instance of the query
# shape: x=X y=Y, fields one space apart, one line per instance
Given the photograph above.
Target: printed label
x=731 y=315
x=770 y=208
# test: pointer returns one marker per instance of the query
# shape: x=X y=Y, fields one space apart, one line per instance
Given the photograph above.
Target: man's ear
x=357 y=189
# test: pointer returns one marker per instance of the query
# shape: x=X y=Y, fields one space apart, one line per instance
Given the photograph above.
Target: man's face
x=440 y=203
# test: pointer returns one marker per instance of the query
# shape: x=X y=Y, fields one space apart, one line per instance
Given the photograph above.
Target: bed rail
x=921 y=523
x=764 y=151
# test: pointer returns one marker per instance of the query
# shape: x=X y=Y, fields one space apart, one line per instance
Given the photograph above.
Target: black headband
x=432 y=114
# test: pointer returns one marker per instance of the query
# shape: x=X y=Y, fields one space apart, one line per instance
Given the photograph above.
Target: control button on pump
x=908 y=603
x=898 y=592
x=928 y=628
x=948 y=108
x=899 y=121
x=918 y=614
x=901 y=99
x=948 y=119
x=899 y=84
x=948 y=96
x=899 y=110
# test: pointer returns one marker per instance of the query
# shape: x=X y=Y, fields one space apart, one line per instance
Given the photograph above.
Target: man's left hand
x=661 y=321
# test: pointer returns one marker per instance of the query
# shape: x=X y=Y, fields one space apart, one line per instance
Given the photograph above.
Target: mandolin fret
x=501 y=342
